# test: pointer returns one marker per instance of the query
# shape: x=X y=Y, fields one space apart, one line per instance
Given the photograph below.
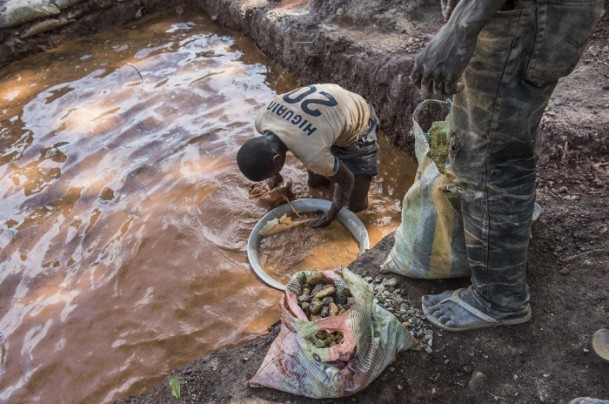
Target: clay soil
x=549 y=359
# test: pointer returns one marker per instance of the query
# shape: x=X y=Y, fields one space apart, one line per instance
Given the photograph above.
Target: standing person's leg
x=493 y=123
x=508 y=83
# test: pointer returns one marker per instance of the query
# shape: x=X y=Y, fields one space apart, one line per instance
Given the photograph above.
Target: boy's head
x=261 y=157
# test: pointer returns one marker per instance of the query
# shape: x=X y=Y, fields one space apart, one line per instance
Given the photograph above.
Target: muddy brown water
x=123 y=217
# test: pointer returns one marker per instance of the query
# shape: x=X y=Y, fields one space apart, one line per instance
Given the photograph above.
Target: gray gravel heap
x=391 y=298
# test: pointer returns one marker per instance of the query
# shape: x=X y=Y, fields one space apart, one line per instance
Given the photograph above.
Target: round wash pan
x=347 y=218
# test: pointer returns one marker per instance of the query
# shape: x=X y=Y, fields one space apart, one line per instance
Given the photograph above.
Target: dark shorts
x=360 y=157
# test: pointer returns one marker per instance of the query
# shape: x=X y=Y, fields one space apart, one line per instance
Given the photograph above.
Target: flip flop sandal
x=479 y=318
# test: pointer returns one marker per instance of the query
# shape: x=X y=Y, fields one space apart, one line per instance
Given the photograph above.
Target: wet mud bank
x=25 y=30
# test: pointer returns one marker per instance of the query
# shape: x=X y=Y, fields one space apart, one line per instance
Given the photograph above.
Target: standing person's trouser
x=520 y=55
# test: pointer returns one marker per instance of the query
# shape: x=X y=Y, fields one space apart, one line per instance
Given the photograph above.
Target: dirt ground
x=547 y=360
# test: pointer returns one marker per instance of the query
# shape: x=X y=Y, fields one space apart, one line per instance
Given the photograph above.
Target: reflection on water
x=123 y=217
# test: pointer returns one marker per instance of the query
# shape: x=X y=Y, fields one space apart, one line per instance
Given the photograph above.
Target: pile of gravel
x=391 y=298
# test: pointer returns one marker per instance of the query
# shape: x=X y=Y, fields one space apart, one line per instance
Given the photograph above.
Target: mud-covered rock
x=319 y=298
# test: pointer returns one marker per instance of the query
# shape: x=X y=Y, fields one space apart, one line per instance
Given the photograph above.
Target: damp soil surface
x=548 y=359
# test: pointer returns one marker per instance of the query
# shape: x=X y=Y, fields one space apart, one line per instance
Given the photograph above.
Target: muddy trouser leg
x=493 y=124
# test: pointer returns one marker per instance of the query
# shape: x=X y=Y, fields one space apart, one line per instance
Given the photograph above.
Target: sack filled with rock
x=430 y=241
x=334 y=340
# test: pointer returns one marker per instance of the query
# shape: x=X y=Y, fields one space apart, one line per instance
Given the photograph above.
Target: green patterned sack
x=430 y=243
x=371 y=340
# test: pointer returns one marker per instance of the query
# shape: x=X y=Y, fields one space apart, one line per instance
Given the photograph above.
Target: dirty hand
x=324 y=221
x=275 y=180
x=438 y=67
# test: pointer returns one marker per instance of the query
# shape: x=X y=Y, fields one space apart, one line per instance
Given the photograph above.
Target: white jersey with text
x=312 y=119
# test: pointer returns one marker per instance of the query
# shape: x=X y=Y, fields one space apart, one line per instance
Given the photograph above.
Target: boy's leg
x=359 y=195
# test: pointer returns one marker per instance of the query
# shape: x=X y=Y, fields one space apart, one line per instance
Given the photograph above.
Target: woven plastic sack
x=372 y=338
x=430 y=243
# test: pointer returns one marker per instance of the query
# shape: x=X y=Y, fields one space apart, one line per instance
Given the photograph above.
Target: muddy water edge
x=123 y=218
